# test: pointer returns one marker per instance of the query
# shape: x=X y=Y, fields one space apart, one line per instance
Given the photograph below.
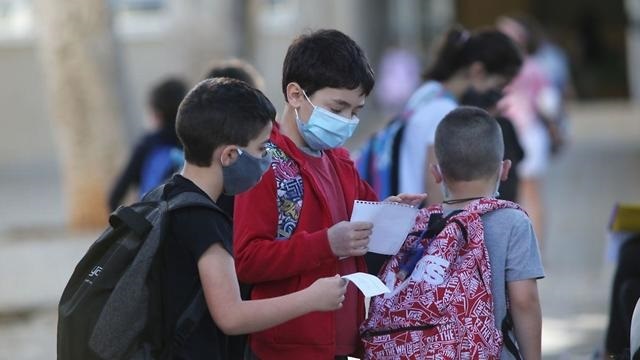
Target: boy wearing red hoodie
x=326 y=78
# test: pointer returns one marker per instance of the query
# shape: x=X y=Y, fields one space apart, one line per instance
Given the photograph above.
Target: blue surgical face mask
x=326 y=130
x=244 y=173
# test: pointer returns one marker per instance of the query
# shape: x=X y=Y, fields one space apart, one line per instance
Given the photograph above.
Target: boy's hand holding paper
x=391 y=223
x=349 y=238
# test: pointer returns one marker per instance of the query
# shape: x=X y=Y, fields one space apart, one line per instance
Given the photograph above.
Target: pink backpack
x=444 y=307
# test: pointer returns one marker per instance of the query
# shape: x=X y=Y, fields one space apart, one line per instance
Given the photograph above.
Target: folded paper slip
x=369 y=285
x=391 y=223
x=625 y=218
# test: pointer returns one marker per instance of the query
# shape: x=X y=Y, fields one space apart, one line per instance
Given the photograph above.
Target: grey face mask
x=244 y=173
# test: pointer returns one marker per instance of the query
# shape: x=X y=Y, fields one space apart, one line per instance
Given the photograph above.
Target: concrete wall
x=633 y=48
x=183 y=40
x=26 y=136
x=273 y=27
x=24 y=133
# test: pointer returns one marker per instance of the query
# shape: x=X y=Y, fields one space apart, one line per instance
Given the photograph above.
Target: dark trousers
x=624 y=295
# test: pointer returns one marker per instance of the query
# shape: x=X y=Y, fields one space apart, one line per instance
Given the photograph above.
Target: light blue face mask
x=326 y=130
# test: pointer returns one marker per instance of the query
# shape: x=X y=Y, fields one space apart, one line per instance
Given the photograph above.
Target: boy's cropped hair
x=165 y=99
x=217 y=112
x=326 y=58
x=468 y=144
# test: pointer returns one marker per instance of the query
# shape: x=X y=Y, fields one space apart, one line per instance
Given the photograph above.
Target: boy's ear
x=294 y=94
x=228 y=154
x=437 y=174
x=506 y=166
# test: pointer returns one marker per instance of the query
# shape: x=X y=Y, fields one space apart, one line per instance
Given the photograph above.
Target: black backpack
x=111 y=306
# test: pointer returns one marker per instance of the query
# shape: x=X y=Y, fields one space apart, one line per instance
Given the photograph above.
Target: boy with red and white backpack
x=463 y=286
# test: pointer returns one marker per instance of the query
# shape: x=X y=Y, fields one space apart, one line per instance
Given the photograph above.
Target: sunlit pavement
x=601 y=166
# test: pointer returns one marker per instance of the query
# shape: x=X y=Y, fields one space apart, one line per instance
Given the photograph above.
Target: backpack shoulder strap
x=486 y=205
x=289 y=191
x=156 y=194
x=126 y=216
x=196 y=310
x=193 y=199
x=506 y=327
x=482 y=207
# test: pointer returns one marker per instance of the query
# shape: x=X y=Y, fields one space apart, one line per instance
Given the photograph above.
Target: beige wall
x=179 y=41
x=273 y=29
x=188 y=38
x=26 y=135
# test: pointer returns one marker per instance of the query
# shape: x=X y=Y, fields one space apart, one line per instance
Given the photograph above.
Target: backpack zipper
x=372 y=333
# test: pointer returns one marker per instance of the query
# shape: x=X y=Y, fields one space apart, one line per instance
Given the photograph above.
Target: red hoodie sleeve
x=258 y=255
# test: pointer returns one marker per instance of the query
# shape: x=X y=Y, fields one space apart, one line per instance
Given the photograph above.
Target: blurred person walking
x=533 y=104
x=157 y=154
x=469 y=68
x=468 y=65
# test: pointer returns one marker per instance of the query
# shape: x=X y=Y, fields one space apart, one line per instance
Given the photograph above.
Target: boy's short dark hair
x=217 y=112
x=235 y=69
x=468 y=144
x=164 y=99
x=326 y=58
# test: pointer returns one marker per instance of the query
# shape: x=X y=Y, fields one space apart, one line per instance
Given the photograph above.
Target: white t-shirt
x=431 y=103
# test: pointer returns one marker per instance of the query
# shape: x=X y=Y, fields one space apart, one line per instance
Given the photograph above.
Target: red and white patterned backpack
x=444 y=307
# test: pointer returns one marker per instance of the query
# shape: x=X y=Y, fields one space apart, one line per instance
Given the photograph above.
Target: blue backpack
x=378 y=161
x=161 y=162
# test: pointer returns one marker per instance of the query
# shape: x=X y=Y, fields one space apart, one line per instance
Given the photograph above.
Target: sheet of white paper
x=391 y=223
x=367 y=283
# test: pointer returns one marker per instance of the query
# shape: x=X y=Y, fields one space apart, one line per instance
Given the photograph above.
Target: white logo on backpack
x=430 y=269
x=434 y=268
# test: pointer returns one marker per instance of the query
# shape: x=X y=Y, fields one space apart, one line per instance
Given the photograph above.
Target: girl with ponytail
x=468 y=68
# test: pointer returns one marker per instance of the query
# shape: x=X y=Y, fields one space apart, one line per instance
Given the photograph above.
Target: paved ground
x=602 y=166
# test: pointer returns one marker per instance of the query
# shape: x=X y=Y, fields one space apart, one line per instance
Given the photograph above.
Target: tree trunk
x=78 y=53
